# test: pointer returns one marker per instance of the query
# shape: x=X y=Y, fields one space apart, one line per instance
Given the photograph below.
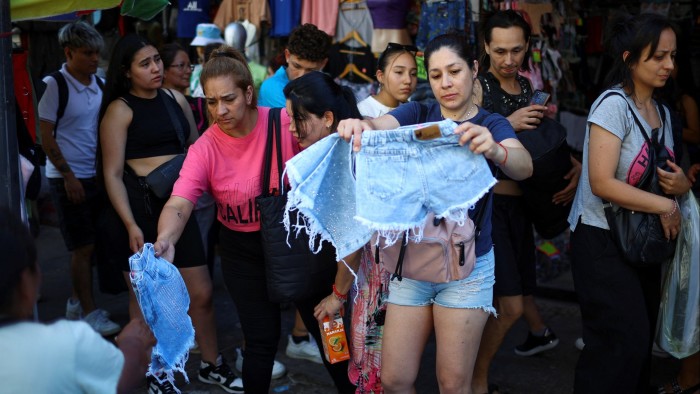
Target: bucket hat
x=207 y=33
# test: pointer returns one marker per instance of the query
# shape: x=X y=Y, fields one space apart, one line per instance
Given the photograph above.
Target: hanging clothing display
x=322 y=13
x=285 y=16
x=353 y=64
x=439 y=17
x=189 y=15
x=354 y=18
x=389 y=20
x=255 y=11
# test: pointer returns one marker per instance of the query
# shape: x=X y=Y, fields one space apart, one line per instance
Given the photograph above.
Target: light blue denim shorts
x=472 y=292
x=405 y=173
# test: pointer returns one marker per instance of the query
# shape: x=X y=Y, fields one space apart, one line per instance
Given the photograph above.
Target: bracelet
x=506 y=158
x=340 y=297
x=673 y=211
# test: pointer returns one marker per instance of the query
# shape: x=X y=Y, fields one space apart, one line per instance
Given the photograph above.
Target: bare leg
x=532 y=315
x=299 y=329
x=134 y=309
x=199 y=287
x=458 y=333
x=81 y=276
x=509 y=311
x=406 y=331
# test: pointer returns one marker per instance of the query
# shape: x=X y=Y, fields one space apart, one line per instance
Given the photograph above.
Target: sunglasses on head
x=408 y=48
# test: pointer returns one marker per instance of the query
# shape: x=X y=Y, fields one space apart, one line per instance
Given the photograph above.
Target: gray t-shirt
x=614 y=115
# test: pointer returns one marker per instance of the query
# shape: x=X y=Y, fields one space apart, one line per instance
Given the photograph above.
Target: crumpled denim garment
x=323 y=190
x=397 y=179
x=164 y=301
x=405 y=173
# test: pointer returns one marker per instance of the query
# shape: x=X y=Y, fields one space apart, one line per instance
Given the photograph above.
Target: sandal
x=676 y=387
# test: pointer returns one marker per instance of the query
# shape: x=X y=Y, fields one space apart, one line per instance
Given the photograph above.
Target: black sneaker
x=535 y=344
x=160 y=388
x=221 y=376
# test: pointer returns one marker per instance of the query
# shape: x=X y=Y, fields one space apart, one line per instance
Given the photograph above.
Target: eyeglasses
x=183 y=66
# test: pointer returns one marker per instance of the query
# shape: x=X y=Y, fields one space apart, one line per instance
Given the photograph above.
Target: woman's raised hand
x=348 y=128
x=480 y=141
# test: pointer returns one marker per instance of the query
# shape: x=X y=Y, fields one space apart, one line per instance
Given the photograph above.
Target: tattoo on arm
x=59 y=161
x=179 y=215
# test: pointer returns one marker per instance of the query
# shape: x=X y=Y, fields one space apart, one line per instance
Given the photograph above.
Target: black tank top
x=151 y=131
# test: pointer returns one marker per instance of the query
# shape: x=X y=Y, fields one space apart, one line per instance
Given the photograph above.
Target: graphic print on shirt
x=237 y=204
x=640 y=163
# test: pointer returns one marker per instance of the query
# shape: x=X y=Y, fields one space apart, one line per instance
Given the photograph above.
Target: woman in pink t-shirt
x=227 y=162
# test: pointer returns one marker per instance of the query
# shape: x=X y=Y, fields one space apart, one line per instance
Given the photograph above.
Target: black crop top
x=151 y=131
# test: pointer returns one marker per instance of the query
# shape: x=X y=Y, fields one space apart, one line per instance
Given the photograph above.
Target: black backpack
x=63 y=95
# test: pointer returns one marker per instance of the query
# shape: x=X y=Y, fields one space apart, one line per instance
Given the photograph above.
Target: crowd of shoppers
x=146 y=119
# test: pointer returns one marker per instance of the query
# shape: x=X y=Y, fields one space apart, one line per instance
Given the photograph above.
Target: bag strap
x=662 y=113
x=173 y=116
x=62 y=97
x=273 y=130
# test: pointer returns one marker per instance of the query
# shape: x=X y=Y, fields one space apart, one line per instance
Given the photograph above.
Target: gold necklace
x=466 y=117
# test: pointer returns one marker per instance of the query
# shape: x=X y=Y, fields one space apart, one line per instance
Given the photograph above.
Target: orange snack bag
x=335 y=343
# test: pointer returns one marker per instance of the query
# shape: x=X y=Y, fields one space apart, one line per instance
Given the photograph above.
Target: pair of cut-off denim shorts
x=472 y=292
x=164 y=301
x=390 y=186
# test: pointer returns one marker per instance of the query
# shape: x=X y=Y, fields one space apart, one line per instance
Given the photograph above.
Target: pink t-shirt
x=231 y=170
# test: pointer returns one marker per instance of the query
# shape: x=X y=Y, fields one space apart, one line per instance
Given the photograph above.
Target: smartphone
x=540 y=98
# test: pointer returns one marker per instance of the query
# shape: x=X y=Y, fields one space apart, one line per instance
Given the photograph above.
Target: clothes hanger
x=352 y=68
x=353 y=35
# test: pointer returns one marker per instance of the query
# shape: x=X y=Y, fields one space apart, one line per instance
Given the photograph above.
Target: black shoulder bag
x=161 y=180
x=639 y=236
x=293 y=272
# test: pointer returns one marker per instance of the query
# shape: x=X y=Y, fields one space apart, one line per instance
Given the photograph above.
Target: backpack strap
x=62 y=97
x=170 y=107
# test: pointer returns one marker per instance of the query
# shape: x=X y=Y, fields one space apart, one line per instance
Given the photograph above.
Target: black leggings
x=242 y=265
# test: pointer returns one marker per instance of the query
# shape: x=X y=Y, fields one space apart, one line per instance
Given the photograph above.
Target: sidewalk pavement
x=549 y=372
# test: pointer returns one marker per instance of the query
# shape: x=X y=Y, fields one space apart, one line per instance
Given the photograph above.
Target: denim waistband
x=430 y=134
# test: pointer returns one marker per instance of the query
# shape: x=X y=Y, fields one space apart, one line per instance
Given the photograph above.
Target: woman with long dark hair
x=138 y=134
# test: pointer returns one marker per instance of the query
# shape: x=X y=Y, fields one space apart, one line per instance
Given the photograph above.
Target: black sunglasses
x=395 y=46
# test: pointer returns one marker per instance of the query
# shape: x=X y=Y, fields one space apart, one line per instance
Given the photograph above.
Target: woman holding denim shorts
x=137 y=134
x=227 y=162
x=456 y=310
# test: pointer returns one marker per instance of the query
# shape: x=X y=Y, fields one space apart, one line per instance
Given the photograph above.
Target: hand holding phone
x=539 y=98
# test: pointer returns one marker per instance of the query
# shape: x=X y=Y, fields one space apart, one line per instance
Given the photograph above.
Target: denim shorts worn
x=77 y=221
x=472 y=292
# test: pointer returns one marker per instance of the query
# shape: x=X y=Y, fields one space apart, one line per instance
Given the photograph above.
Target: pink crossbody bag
x=445 y=253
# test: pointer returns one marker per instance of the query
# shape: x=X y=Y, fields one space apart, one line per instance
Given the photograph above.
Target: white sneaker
x=306 y=350
x=579 y=343
x=73 y=310
x=278 y=369
x=99 y=322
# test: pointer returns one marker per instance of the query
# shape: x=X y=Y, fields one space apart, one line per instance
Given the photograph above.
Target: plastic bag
x=678 y=327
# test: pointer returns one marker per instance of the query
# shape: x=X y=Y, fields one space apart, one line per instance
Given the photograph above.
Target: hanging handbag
x=293 y=272
x=161 y=180
x=639 y=236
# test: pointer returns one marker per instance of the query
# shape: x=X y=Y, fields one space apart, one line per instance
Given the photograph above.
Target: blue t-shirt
x=410 y=113
x=189 y=15
x=286 y=15
x=272 y=90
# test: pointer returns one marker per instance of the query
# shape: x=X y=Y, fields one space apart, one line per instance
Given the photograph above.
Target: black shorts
x=77 y=221
x=146 y=208
x=514 y=247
